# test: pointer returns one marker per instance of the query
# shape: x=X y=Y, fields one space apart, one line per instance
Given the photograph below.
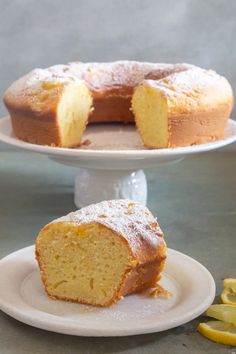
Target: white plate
x=121 y=142
x=22 y=296
x=112 y=162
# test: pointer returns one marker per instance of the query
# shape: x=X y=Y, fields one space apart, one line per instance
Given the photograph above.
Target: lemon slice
x=218 y=331
x=228 y=298
x=228 y=295
x=223 y=312
x=230 y=283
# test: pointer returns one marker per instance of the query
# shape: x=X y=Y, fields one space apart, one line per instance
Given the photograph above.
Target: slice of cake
x=101 y=253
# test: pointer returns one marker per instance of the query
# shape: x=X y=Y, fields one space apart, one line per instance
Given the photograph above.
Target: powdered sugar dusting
x=192 y=80
x=130 y=219
x=176 y=79
x=119 y=74
x=53 y=74
x=37 y=75
x=100 y=76
x=115 y=74
x=193 y=89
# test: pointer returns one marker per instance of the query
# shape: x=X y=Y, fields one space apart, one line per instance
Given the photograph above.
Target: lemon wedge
x=228 y=295
x=218 y=331
x=226 y=313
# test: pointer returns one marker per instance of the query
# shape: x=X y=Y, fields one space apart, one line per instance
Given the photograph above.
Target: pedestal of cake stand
x=103 y=178
x=92 y=185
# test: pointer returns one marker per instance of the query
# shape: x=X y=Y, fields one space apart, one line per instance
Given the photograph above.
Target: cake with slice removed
x=172 y=104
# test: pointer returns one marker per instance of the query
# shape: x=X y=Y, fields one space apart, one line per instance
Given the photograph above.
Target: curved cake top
x=193 y=86
x=193 y=89
x=132 y=220
x=102 y=76
x=120 y=76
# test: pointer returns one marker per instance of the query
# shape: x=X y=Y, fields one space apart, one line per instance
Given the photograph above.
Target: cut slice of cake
x=101 y=253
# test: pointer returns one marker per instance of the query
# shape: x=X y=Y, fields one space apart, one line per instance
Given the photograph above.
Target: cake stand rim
x=6 y=137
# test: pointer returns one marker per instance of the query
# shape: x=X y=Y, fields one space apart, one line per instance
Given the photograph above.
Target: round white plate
x=111 y=163
x=116 y=141
x=22 y=296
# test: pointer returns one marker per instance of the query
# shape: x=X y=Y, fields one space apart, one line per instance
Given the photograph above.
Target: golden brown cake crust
x=199 y=104
x=32 y=106
x=111 y=85
x=33 y=111
x=137 y=228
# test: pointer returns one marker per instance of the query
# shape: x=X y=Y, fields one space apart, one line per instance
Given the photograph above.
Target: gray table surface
x=195 y=201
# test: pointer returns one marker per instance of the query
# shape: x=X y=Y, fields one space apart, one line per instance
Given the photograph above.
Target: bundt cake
x=101 y=253
x=173 y=105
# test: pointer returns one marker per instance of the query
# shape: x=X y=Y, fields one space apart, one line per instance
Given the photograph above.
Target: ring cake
x=171 y=105
x=101 y=253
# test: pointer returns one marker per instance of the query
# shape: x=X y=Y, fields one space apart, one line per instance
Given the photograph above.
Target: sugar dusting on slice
x=130 y=219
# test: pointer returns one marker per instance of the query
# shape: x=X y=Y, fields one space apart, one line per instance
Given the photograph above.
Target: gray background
x=41 y=33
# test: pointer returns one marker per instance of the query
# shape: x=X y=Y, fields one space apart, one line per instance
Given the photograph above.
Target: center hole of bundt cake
x=83 y=263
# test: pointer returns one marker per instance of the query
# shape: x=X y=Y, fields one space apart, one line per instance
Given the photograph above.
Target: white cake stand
x=111 y=166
